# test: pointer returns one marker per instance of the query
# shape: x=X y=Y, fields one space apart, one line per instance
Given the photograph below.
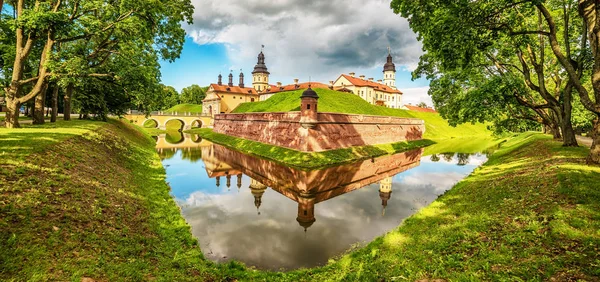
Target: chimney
x=295 y=81
x=331 y=83
x=370 y=79
x=278 y=84
x=220 y=80
x=352 y=74
x=230 y=80
x=362 y=76
x=241 y=80
x=379 y=80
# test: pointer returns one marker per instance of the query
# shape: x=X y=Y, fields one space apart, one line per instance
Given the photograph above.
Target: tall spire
x=389 y=65
x=230 y=79
x=260 y=65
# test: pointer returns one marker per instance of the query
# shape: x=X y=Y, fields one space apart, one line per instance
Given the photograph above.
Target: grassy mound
x=340 y=102
x=185 y=108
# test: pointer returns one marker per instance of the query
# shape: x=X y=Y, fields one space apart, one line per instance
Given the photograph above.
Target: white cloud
x=416 y=95
x=317 y=38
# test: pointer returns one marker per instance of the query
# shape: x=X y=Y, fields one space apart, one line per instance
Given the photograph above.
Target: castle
x=223 y=98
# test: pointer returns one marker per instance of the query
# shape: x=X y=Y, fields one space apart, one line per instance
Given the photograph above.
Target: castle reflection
x=307 y=188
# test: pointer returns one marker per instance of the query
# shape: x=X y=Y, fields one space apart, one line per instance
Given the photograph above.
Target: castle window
x=252 y=100
x=233 y=97
x=308 y=107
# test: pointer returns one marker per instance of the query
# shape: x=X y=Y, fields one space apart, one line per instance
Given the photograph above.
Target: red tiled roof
x=419 y=109
x=234 y=89
x=292 y=87
x=363 y=82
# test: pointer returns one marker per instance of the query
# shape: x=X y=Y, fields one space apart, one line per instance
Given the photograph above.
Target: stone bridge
x=188 y=120
x=186 y=142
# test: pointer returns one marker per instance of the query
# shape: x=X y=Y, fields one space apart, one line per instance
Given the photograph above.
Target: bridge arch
x=154 y=123
x=197 y=123
x=184 y=124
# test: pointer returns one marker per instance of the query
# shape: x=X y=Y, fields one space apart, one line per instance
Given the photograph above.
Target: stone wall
x=331 y=131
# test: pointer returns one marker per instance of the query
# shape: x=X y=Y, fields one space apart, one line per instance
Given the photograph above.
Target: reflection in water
x=280 y=217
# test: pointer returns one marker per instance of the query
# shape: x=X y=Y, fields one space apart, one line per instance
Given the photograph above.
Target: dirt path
x=584 y=141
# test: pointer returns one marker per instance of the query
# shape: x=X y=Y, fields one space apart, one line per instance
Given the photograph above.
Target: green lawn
x=339 y=102
x=89 y=199
x=185 y=108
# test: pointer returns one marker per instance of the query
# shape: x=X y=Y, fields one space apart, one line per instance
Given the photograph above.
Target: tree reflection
x=435 y=158
x=448 y=156
x=191 y=154
x=463 y=159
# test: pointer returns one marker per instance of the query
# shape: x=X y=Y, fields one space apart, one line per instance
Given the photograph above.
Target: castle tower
x=385 y=192
x=257 y=189
x=241 y=84
x=220 y=80
x=260 y=75
x=230 y=84
x=389 y=72
x=239 y=181
x=306 y=211
x=308 y=108
x=218 y=181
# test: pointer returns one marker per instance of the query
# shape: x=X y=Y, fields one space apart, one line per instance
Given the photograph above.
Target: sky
x=303 y=39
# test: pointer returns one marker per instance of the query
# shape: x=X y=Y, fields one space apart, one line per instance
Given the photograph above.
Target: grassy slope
x=338 y=102
x=304 y=160
x=185 y=108
x=532 y=211
x=88 y=199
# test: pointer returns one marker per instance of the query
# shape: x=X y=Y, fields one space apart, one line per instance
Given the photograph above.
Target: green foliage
x=340 y=102
x=487 y=62
x=193 y=94
x=308 y=161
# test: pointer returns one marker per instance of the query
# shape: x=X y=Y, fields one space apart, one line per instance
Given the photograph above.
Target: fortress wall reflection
x=307 y=188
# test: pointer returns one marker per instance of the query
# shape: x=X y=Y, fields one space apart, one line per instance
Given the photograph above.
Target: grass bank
x=185 y=108
x=307 y=161
x=437 y=128
x=88 y=199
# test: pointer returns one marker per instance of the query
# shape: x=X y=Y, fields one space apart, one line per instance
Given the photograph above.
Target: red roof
x=363 y=82
x=292 y=87
x=234 y=89
x=419 y=109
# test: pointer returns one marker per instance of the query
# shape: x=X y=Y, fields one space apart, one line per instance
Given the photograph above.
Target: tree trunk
x=569 y=139
x=555 y=131
x=67 y=105
x=12 y=115
x=54 y=104
x=38 y=108
x=594 y=156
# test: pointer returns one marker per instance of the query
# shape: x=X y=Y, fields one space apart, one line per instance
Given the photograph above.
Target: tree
x=481 y=46
x=89 y=38
x=554 y=47
x=193 y=94
x=169 y=98
x=422 y=105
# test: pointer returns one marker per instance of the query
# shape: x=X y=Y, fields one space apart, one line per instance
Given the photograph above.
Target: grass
x=339 y=102
x=185 y=108
x=89 y=199
x=307 y=161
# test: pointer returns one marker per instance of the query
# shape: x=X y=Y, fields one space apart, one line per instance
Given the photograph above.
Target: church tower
x=260 y=75
x=385 y=192
x=257 y=189
x=389 y=72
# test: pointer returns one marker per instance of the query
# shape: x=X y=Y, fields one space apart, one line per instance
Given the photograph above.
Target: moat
x=274 y=217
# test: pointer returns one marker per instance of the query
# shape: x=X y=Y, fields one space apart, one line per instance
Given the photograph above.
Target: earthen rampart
x=330 y=131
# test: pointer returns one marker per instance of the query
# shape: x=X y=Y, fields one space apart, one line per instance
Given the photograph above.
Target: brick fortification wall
x=330 y=131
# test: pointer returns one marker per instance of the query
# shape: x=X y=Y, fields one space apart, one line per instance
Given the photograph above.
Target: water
x=274 y=217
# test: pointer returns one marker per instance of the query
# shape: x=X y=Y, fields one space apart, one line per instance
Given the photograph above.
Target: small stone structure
x=312 y=131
